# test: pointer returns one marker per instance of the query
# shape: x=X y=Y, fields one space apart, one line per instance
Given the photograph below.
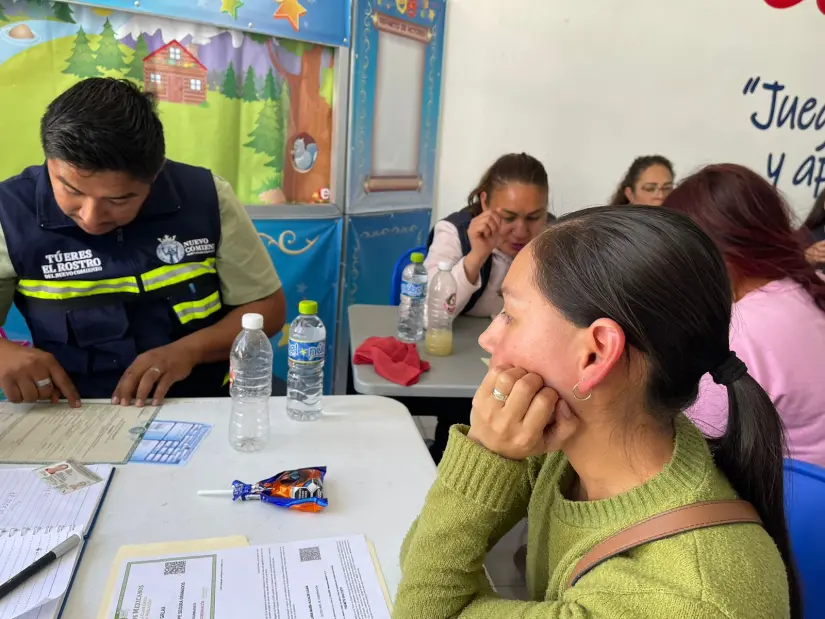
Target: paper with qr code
x=67 y=476
x=335 y=577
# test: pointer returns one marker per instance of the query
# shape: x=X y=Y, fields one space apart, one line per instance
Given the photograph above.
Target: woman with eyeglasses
x=648 y=181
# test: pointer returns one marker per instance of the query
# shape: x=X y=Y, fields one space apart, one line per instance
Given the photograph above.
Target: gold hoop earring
x=578 y=397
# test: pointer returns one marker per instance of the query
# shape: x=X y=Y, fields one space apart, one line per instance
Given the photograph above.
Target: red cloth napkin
x=396 y=361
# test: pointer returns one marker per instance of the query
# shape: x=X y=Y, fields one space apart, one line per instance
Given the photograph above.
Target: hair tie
x=729 y=371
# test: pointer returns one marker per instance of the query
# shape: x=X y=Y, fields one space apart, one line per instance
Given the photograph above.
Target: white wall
x=587 y=85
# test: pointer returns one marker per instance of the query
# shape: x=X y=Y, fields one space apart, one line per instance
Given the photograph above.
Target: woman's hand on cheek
x=522 y=425
x=563 y=427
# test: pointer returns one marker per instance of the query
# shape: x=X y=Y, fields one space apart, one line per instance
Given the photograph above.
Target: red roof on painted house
x=181 y=47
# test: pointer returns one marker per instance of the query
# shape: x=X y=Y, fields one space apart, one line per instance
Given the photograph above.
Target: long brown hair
x=750 y=223
x=816 y=218
x=512 y=168
x=634 y=173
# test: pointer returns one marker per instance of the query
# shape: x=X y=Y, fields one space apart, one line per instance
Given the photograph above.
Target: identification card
x=67 y=476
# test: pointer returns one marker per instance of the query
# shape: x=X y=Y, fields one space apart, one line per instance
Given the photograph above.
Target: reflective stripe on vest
x=165 y=276
x=162 y=277
x=195 y=310
x=73 y=289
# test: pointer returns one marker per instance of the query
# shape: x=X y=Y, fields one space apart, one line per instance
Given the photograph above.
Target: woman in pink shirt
x=778 y=325
x=504 y=212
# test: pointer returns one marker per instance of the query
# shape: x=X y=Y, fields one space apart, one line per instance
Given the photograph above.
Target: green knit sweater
x=731 y=571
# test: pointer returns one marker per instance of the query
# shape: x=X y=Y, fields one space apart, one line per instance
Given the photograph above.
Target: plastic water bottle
x=441 y=311
x=250 y=386
x=412 y=308
x=307 y=349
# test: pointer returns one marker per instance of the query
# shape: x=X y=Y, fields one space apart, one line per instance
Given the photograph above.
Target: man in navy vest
x=132 y=271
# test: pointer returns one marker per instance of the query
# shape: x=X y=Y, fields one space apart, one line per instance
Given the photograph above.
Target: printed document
x=330 y=578
x=90 y=434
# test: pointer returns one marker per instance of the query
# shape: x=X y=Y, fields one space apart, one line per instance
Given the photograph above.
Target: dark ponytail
x=751 y=454
x=664 y=282
x=512 y=168
x=634 y=173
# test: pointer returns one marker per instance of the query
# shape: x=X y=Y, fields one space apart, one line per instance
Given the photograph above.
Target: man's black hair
x=104 y=123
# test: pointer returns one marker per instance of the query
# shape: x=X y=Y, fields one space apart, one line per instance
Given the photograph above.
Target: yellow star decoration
x=231 y=7
x=290 y=10
x=284 y=336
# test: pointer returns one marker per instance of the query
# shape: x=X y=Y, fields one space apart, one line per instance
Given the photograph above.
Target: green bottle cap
x=416 y=257
x=308 y=308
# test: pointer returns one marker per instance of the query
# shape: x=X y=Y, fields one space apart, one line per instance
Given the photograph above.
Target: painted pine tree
x=135 y=71
x=230 y=83
x=2 y=14
x=109 y=55
x=268 y=135
x=82 y=62
x=269 y=93
x=63 y=12
x=250 y=90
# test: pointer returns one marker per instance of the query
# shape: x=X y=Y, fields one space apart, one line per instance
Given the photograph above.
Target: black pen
x=47 y=559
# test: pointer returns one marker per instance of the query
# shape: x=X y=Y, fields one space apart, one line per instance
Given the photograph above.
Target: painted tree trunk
x=309 y=114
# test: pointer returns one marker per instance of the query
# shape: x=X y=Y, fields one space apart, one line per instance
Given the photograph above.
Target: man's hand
x=31 y=375
x=155 y=370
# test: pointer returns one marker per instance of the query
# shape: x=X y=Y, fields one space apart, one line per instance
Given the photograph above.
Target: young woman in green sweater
x=610 y=319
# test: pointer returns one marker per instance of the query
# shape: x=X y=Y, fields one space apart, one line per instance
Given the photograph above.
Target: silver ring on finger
x=498 y=395
x=43 y=383
x=155 y=370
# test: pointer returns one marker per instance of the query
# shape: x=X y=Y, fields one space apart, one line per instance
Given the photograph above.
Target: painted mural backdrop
x=254 y=109
x=316 y=21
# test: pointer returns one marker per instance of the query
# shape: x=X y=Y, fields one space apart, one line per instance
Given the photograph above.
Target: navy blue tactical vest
x=97 y=302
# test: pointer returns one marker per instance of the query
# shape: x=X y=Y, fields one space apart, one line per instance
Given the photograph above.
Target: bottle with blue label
x=307 y=349
x=412 y=309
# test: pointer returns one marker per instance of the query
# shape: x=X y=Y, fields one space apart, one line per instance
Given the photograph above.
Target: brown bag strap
x=666 y=524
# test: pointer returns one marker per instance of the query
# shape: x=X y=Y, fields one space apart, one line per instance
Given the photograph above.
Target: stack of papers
x=331 y=578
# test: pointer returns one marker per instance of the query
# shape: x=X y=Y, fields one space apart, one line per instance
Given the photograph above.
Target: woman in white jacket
x=504 y=212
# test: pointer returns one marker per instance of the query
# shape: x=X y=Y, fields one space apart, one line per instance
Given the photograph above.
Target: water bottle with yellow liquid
x=441 y=312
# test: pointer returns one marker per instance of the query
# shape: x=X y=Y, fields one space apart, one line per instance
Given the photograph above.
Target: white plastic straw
x=215 y=492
